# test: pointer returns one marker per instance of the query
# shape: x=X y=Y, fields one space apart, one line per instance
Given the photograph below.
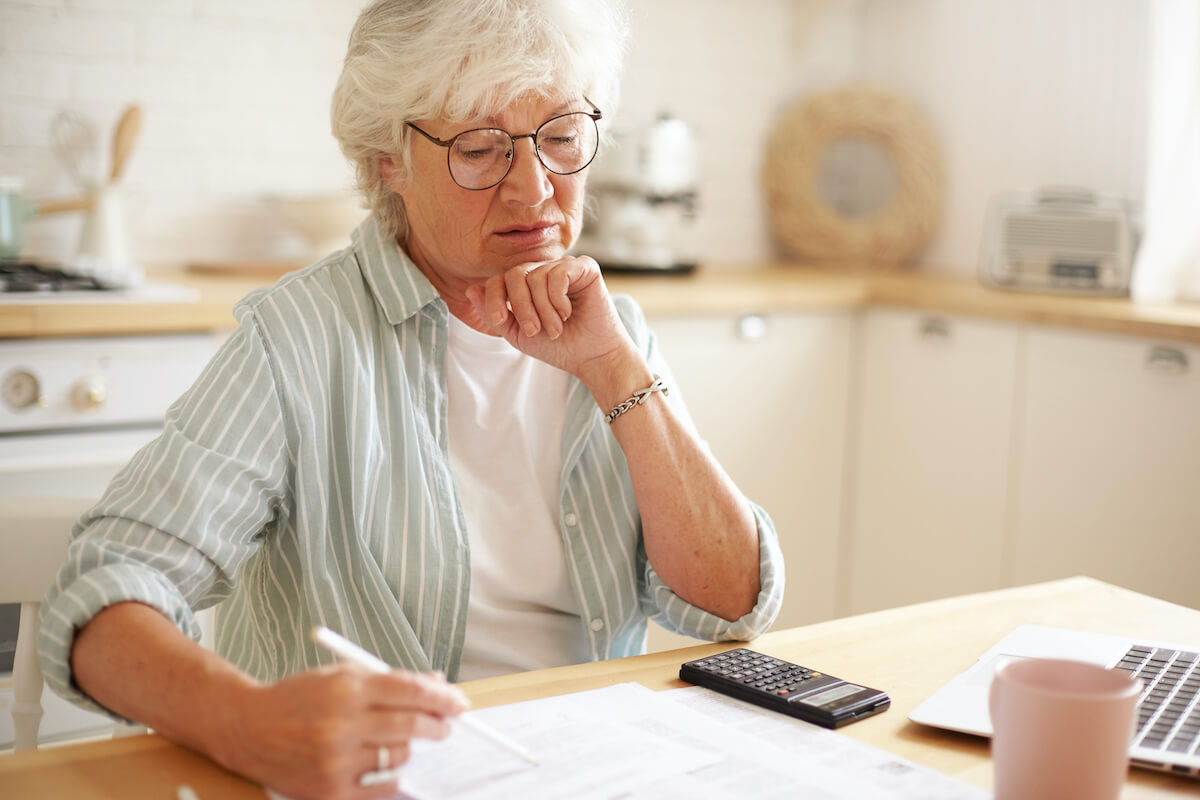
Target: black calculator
x=785 y=687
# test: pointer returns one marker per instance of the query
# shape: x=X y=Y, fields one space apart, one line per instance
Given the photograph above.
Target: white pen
x=341 y=646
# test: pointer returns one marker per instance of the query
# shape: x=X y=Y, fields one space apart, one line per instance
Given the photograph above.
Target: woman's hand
x=313 y=735
x=558 y=312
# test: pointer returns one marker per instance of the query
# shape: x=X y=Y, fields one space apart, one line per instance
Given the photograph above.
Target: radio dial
x=90 y=393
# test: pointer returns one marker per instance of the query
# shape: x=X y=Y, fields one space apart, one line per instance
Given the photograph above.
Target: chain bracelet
x=638 y=398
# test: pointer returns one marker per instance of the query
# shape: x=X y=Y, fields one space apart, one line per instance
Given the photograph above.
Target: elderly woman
x=447 y=442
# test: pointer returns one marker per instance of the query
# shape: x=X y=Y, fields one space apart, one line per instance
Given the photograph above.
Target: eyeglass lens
x=480 y=158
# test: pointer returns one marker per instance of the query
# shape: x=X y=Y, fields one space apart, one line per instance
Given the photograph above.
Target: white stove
x=73 y=411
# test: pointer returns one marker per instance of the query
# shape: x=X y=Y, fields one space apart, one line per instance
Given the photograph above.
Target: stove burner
x=27 y=276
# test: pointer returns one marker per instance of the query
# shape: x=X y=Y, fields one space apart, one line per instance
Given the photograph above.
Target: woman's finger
x=516 y=285
x=414 y=692
x=538 y=282
x=558 y=285
x=495 y=301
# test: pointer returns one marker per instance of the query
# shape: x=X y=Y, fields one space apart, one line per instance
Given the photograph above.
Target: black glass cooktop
x=17 y=275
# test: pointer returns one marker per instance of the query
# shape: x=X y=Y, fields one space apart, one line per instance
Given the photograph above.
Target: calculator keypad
x=757 y=671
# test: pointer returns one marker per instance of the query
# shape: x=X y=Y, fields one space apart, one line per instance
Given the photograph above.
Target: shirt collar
x=400 y=288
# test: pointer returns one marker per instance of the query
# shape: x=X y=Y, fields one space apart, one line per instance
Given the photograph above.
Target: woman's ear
x=393 y=175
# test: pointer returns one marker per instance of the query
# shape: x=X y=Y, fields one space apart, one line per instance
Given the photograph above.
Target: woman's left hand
x=558 y=312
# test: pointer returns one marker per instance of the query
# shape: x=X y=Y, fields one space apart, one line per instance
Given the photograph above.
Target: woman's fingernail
x=530 y=329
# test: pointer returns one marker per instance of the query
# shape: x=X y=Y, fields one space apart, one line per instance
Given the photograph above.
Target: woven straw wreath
x=806 y=226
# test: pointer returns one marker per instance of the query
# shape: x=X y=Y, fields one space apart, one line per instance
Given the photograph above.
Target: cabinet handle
x=934 y=328
x=752 y=327
x=1168 y=360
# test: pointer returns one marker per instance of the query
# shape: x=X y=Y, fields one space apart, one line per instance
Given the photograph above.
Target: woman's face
x=457 y=236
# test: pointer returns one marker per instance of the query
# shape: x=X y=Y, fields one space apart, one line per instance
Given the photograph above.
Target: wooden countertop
x=764 y=287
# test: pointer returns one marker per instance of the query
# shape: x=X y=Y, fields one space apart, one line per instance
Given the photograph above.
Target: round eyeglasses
x=480 y=158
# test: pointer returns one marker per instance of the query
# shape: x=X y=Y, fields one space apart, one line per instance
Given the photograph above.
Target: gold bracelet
x=638 y=398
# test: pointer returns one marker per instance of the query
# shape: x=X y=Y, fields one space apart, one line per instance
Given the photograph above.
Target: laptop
x=1168 y=727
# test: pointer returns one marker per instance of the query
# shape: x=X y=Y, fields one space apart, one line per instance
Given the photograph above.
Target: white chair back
x=33 y=543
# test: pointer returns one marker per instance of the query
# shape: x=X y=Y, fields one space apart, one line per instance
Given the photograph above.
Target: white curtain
x=1168 y=263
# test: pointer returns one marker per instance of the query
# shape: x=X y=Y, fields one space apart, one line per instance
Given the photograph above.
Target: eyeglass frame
x=595 y=115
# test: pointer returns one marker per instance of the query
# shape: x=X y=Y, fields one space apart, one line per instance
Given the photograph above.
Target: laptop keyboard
x=1169 y=714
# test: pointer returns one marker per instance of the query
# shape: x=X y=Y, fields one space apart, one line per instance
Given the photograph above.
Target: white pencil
x=339 y=645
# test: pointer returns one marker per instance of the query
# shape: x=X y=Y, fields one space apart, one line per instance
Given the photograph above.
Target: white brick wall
x=235 y=107
x=235 y=97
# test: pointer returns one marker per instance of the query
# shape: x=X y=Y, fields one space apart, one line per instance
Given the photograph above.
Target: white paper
x=629 y=742
x=591 y=745
x=786 y=755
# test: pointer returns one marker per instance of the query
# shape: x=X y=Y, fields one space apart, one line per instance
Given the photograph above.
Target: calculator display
x=830 y=696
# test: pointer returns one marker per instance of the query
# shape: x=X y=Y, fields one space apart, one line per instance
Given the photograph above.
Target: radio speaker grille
x=1074 y=233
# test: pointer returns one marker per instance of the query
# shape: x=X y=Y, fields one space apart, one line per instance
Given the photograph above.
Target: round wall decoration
x=809 y=224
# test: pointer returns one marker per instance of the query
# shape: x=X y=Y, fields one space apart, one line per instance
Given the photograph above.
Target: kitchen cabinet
x=769 y=394
x=930 y=464
x=1108 y=461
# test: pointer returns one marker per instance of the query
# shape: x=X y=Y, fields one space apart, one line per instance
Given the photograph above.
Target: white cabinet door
x=931 y=470
x=769 y=394
x=1110 y=463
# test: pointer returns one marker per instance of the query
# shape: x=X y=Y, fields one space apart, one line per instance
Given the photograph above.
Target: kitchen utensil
x=73 y=139
x=123 y=137
x=103 y=252
x=645 y=196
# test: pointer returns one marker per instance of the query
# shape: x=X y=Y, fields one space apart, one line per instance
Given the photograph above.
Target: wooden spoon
x=126 y=132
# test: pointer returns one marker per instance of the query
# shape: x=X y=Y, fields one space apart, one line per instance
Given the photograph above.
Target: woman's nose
x=527 y=182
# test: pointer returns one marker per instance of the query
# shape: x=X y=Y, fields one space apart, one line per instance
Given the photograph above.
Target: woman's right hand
x=314 y=734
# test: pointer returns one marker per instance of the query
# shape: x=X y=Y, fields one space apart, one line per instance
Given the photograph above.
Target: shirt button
x=597 y=624
x=571 y=519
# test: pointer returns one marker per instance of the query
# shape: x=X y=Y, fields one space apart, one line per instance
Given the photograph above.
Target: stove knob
x=89 y=393
x=22 y=390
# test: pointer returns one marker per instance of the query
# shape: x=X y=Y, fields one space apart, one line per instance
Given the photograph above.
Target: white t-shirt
x=505 y=424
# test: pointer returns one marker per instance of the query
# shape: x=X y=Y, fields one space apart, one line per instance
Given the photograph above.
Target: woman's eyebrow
x=494 y=121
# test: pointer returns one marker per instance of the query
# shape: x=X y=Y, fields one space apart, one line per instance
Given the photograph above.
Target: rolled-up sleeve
x=676 y=614
x=177 y=522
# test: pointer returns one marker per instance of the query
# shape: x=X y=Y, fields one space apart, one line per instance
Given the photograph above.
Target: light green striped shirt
x=304 y=480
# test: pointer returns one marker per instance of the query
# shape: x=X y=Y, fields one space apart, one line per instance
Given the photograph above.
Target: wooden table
x=909 y=652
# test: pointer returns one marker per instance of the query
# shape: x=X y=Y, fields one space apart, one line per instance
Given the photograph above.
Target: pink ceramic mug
x=1062 y=730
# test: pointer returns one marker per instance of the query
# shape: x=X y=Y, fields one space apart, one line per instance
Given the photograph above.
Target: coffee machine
x=643 y=200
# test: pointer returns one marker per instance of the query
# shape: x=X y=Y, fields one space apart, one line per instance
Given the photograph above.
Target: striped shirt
x=304 y=480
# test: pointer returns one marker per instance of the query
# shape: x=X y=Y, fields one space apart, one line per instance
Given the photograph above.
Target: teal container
x=15 y=211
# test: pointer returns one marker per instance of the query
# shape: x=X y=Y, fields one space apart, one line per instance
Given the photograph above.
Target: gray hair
x=462 y=60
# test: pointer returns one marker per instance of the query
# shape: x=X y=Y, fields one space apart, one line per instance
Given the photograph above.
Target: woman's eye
x=479 y=153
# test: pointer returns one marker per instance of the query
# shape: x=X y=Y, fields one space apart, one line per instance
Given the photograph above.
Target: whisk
x=73 y=138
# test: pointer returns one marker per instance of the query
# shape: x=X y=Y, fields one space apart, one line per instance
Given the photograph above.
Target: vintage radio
x=1059 y=240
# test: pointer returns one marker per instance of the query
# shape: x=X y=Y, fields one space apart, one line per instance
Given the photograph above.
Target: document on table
x=629 y=742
